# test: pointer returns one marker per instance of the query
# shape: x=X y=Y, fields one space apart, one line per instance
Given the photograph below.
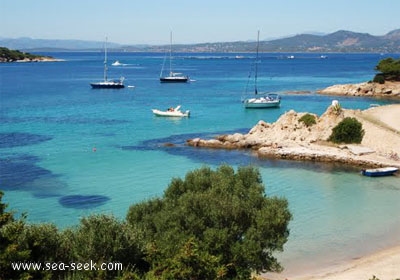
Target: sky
x=192 y=21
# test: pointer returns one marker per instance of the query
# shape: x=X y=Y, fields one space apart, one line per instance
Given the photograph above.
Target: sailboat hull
x=174 y=79
x=261 y=105
x=269 y=101
x=107 y=84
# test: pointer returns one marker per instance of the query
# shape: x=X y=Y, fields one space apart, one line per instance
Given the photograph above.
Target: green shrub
x=308 y=120
x=349 y=130
x=379 y=78
x=389 y=68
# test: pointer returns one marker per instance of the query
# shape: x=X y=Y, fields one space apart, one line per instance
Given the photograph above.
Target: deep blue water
x=67 y=150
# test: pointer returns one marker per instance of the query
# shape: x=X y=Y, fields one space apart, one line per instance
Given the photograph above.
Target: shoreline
x=288 y=138
x=382 y=263
x=389 y=89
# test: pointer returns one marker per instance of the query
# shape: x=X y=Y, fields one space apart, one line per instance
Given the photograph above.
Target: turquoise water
x=68 y=151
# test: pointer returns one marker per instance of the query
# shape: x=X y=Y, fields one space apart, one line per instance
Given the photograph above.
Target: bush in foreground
x=219 y=218
x=211 y=225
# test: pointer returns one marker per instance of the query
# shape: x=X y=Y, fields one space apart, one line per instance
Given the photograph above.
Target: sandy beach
x=385 y=265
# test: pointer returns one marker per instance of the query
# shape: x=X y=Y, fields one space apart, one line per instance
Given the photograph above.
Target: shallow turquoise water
x=51 y=121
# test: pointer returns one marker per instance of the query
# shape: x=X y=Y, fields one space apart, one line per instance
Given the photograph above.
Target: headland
x=389 y=89
x=7 y=55
x=289 y=138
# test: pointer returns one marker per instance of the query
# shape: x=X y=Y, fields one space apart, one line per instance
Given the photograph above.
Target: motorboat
x=378 y=172
x=171 y=112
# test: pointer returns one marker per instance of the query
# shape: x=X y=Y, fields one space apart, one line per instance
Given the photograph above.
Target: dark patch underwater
x=83 y=201
x=21 y=173
x=17 y=139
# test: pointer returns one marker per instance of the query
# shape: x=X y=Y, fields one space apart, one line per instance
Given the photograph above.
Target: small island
x=7 y=55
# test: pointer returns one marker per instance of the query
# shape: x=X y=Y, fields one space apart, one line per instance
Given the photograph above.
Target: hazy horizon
x=150 y=22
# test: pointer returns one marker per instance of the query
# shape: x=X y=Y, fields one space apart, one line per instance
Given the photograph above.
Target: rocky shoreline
x=369 y=89
x=289 y=138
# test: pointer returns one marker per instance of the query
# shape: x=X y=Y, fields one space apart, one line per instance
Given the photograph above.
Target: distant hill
x=339 y=41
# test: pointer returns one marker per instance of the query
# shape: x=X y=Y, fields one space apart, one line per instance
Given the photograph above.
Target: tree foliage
x=389 y=69
x=349 y=130
x=7 y=55
x=211 y=225
x=225 y=215
x=104 y=239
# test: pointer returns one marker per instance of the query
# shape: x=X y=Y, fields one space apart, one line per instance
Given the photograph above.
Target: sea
x=68 y=151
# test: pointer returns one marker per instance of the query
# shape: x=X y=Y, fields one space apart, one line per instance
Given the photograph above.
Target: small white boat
x=171 y=112
x=377 y=172
x=117 y=63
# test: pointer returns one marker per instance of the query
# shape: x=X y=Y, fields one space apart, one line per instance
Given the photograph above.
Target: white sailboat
x=172 y=77
x=108 y=83
x=261 y=100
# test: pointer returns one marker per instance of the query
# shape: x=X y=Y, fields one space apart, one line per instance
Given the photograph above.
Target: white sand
x=385 y=265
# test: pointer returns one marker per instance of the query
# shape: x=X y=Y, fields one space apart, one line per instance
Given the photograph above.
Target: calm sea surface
x=67 y=151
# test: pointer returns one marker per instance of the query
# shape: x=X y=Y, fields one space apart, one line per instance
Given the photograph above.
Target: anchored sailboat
x=108 y=83
x=172 y=77
x=261 y=100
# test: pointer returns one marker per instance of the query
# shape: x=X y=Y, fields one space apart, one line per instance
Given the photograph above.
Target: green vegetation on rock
x=7 y=55
x=389 y=69
x=308 y=119
x=349 y=130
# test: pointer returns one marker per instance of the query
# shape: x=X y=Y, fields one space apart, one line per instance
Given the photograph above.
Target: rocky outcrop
x=290 y=138
x=388 y=89
x=288 y=130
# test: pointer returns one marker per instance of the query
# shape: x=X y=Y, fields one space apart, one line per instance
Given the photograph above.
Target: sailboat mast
x=170 y=53
x=256 y=72
x=105 y=60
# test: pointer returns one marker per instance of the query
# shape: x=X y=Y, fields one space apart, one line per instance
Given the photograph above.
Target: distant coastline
x=341 y=41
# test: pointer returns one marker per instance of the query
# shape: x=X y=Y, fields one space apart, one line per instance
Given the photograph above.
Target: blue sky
x=191 y=21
